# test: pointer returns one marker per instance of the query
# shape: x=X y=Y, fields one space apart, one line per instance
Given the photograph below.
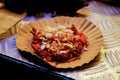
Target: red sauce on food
x=59 y=44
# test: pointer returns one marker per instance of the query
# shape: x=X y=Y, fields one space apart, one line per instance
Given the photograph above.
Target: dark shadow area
x=14 y=69
x=41 y=63
x=111 y=2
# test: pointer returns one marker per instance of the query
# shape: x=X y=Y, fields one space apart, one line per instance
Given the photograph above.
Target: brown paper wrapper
x=24 y=38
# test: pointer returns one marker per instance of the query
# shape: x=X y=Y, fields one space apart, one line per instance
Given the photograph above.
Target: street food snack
x=62 y=42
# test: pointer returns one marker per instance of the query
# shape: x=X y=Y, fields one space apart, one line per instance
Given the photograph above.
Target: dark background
x=33 y=7
x=11 y=68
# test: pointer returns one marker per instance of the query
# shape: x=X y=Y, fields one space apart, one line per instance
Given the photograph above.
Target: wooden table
x=8 y=21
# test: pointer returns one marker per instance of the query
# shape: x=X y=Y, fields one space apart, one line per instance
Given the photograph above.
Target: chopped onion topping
x=61 y=52
x=42 y=46
x=49 y=35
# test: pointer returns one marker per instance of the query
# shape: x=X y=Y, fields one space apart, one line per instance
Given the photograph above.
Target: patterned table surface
x=107 y=18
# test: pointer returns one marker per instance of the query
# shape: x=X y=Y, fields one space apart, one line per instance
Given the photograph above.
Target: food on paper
x=59 y=44
x=57 y=41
